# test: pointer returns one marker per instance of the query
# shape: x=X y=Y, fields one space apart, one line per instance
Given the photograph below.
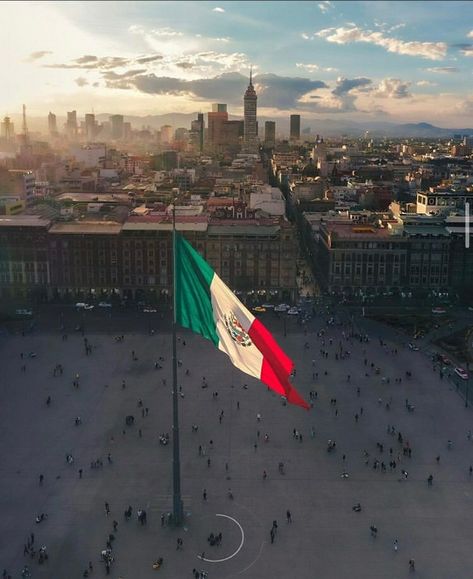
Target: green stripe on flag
x=192 y=279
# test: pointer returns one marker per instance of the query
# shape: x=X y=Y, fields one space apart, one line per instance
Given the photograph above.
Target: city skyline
x=344 y=60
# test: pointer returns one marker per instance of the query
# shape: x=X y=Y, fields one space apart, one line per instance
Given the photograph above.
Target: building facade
x=84 y=260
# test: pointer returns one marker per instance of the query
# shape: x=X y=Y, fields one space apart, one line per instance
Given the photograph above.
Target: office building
x=215 y=120
x=295 y=128
x=117 y=126
x=250 y=105
x=7 y=129
x=71 y=125
x=90 y=127
x=269 y=134
x=52 y=125
x=197 y=133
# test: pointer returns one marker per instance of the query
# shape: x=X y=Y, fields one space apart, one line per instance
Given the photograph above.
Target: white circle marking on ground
x=239 y=547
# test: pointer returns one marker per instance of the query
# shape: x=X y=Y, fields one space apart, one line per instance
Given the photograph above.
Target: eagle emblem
x=236 y=331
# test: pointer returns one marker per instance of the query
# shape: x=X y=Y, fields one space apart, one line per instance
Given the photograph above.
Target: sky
x=361 y=61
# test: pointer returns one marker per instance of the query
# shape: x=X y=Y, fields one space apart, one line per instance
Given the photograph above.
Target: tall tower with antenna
x=249 y=105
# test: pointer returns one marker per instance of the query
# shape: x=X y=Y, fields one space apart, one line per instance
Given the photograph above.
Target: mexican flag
x=208 y=307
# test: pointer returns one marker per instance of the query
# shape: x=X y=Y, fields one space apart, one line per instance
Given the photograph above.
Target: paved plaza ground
x=326 y=539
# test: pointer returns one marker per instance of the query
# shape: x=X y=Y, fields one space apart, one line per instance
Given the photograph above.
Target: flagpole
x=178 y=512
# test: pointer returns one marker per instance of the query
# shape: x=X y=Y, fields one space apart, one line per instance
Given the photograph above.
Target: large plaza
x=432 y=524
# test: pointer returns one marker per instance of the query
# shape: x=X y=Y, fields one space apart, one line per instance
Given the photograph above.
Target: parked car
x=439 y=311
x=104 y=305
x=413 y=347
x=281 y=308
x=24 y=312
x=293 y=311
x=462 y=373
x=268 y=306
x=259 y=309
x=149 y=310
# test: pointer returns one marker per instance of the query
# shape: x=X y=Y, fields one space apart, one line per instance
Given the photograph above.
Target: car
x=104 y=305
x=293 y=312
x=268 y=306
x=80 y=305
x=89 y=307
x=413 y=347
x=259 y=309
x=24 y=312
x=149 y=310
x=439 y=311
x=462 y=373
x=281 y=308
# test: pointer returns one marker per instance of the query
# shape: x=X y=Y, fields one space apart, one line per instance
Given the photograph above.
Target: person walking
x=396 y=545
x=288 y=516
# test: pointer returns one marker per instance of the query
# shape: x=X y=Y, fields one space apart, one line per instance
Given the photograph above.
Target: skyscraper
x=197 y=132
x=269 y=134
x=249 y=104
x=7 y=130
x=215 y=120
x=117 y=126
x=295 y=130
x=90 y=127
x=52 y=125
x=71 y=124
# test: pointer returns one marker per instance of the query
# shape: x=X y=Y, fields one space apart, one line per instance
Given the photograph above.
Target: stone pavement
x=326 y=539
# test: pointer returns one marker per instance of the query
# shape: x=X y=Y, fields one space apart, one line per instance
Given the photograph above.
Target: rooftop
x=79 y=227
x=24 y=221
x=363 y=231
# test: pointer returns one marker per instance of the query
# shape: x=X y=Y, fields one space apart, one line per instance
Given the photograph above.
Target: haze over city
x=362 y=61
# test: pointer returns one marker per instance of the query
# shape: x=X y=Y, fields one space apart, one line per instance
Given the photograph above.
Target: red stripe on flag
x=276 y=365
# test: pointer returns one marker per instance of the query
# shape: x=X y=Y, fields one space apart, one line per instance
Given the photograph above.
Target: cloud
x=305 y=36
x=218 y=9
x=345 y=85
x=315 y=67
x=86 y=59
x=443 y=69
x=166 y=31
x=470 y=34
x=146 y=59
x=273 y=91
x=37 y=55
x=92 y=62
x=325 y=6
x=111 y=75
x=185 y=65
x=425 y=83
x=81 y=81
x=393 y=88
x=342 y=35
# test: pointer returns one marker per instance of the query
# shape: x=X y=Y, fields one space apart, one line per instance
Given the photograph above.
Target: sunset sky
x=392 y=61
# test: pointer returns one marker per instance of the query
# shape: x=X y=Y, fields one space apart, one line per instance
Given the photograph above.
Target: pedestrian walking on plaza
x=41 y=479
x=288 y=516
x=412 y=566
x=396 y=545
x=272 y=534
x=204 y=494
x=179 y=544
x=430 y=480
x=107 y=509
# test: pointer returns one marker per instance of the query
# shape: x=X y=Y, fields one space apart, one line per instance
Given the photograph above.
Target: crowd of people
x=329 y=340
